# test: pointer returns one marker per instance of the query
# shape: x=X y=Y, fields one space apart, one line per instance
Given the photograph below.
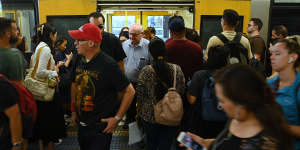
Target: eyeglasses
x=101 y=26
x=134 y=34
x=80 y=40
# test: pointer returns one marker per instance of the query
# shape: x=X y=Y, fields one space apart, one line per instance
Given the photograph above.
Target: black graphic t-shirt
x=97 y=84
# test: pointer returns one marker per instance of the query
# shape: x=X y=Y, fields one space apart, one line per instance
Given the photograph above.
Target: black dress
x=65 y=82
x=50 y=123
x=227 y=141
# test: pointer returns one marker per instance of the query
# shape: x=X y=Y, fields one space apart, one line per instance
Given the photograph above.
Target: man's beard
x=13 y=40
x=249 y=31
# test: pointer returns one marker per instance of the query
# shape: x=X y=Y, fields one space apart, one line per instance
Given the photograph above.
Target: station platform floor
x=119 y=141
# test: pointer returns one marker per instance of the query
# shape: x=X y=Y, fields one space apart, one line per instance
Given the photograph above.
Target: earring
x=291 y=60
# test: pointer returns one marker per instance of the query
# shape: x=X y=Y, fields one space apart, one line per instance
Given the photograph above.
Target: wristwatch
x=17 y=144
x=118 y=118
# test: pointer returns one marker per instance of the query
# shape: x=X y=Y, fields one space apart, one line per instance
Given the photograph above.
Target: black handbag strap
x=224 y=135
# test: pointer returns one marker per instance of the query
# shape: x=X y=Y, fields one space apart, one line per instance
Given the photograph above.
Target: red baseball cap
x=87 y=31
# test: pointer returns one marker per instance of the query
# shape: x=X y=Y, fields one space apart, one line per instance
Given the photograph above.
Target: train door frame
x=137 y=15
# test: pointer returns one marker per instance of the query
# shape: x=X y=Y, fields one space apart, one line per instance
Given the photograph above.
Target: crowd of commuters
x=111 y=77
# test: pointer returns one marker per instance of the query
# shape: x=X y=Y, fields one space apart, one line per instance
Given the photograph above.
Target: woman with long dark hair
x=284 y=60
x=153 y=82
x=256 y=119
x=50 y=121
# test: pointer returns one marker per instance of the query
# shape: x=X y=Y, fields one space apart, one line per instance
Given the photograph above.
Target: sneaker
x=59 y=142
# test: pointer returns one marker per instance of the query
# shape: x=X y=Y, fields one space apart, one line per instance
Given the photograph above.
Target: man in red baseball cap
x=85 y=35
x=97 y=82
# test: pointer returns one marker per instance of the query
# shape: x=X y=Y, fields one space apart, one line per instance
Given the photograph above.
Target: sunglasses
x=101 y=26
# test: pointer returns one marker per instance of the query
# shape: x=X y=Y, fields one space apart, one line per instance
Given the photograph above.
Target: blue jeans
x=159 y=137
x=90 y=139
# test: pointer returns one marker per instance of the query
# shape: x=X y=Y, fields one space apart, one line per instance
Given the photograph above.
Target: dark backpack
x=211 y=109
x=26 y=101
x=237 y=53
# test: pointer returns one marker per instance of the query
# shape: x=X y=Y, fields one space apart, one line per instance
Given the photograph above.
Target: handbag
x=43 y=89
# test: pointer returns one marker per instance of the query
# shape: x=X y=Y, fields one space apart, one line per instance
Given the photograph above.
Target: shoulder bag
x=43 y=89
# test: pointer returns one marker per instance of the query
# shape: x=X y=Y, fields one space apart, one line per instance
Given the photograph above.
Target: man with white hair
x=136 y=50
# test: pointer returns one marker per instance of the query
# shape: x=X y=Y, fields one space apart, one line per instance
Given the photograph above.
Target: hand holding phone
x=188 y=142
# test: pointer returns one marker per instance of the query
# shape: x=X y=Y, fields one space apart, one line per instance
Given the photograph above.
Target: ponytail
x=164 y=74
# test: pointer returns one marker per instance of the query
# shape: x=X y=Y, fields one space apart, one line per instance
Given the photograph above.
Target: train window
x=65 y=23
x=286 y=1
x=10 y=15
x=118 y=22
x=160 y=23
x=24 y=15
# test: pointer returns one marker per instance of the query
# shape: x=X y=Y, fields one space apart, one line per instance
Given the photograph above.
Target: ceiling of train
x=145 y=0
x=153 y=4
x=16 y=1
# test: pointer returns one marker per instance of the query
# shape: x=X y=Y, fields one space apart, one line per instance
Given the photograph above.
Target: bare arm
x=191 y=98
x=295 y=130
x=69 y=59
x=120 y=95
x=126 y=100
x=125 y=103
x=15 y=123
x=121 y=64
x=203 y=142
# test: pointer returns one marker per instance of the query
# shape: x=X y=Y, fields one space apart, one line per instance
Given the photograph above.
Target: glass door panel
x=118 y=22
x=160 y=23
x=120 y=19
x=158 y=20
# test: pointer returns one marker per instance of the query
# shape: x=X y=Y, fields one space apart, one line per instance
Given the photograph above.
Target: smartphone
x=142 y=63
x=187 y=141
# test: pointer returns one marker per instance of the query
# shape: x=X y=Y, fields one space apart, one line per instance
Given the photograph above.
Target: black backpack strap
x=207 y=74
x=224 y=134
x=222 y=38
x=237 y=38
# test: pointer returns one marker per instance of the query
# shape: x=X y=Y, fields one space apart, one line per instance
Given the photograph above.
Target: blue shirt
x=61 y=56
x=289 y=99
x=137 y=58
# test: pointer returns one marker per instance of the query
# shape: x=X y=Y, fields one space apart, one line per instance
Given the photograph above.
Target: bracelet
x=118 y=118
